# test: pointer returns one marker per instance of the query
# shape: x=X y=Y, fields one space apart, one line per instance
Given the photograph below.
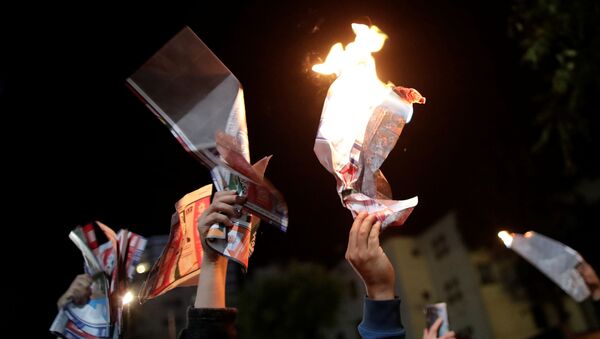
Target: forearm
x=211 y=285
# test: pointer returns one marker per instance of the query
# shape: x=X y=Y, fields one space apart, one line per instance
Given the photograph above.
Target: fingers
x=217 y=218
x=436 y=326
x=79 y=292
x=223 y=198
x=228 y=210
x=83 y=280
x=448 y=335
x=353 y=233
x=224 y=201
x=373 y=242
x=81 y=289
x=81 y=296
x=63 y=300
x=229 y=197
x=221 y=210
x=431 y=333
x=362 y=237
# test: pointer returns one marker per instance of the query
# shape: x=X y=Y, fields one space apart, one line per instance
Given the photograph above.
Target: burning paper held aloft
x=556 y=260
x=361 y=121
x=190 y=90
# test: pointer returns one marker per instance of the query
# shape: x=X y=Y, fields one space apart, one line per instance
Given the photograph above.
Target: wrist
x=214 y=261
x=381 y=292
x=215 y=268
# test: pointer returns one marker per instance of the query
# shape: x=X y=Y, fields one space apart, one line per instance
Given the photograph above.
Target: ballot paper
x=361 y=121
x=110 y=265
x=198 y=98
x=180 y=262
x=556 y=260
x=191 y=91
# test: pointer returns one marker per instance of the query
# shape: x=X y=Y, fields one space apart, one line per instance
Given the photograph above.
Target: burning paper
x=556 y=260
x=202 y=103
x=361 y=121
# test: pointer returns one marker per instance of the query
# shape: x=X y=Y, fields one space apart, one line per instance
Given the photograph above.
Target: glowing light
x=127 y=297
x=141 y=268
x=506 y=238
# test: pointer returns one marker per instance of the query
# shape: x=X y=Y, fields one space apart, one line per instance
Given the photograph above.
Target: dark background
x=82 y=147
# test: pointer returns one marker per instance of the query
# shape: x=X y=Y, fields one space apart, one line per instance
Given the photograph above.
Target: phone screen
x=435 y=311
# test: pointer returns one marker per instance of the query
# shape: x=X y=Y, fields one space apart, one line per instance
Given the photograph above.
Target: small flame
x=528 y=234
x=506 y=238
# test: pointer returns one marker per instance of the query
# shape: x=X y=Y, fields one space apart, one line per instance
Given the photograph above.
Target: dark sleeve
x=381 y=319
x=211 y=323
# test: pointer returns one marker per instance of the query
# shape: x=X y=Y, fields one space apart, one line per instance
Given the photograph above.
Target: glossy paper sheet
x=202 y=103
x=361 y=121
x=555 y=260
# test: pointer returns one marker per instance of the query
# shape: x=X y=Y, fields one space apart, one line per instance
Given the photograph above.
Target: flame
x=355 y=67
x=528 y=234
x=506 y=238
x=356 y=55
x=357 y=88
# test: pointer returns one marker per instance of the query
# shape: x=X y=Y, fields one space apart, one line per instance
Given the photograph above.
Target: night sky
x=92 y=151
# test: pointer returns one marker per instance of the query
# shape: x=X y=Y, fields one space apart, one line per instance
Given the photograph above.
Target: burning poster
x=556 y=260
x=361 y=121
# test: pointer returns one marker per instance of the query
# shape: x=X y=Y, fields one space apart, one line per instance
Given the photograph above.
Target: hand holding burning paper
x=361 y=121
x=557 y=261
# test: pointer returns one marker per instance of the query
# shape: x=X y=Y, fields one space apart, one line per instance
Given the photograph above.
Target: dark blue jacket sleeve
x=381 y=319
x=210 y=323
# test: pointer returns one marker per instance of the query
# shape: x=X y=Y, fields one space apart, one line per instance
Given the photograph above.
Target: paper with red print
x=355 y=154
x=180 y=262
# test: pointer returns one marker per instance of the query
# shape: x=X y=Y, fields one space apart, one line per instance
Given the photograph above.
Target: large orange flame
x=357 y=88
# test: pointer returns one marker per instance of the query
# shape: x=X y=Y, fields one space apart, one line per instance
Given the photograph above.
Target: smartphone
x=435 y=311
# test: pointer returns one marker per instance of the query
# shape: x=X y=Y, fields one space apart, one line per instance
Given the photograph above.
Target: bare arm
x=211 y=284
